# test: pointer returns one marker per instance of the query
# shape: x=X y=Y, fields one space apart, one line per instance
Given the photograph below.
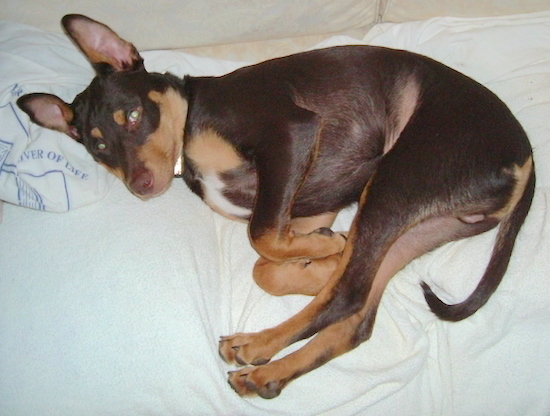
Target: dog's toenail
x=239 y=360
x=250 y=385
x=270 y=390
x=325 y=231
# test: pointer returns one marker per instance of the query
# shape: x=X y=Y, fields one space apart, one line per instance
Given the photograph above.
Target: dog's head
x=131 y=121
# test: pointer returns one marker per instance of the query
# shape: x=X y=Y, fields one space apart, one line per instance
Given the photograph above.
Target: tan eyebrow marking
x=96 y=132
x=120 y=117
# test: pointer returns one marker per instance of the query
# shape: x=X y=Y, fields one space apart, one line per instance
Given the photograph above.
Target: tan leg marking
x=254 y=348
x=258 y=348
x=338 y=338
x=268 y=380
x=294 y=246
x=304 y=277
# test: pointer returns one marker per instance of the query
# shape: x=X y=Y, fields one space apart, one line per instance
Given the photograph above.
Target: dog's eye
x=101 y=146
x=133 y=116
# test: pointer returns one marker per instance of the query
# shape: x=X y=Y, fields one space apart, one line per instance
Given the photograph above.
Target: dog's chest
x=227 y=181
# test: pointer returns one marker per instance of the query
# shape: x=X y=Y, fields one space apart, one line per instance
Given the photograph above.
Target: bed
x=110 y=305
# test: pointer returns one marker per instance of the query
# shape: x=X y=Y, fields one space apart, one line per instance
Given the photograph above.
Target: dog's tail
x=496 y=268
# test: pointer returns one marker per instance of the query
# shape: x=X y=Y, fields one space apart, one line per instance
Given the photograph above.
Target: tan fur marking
x=97 y=133
x=267 y=343
x=155 y=96
x=163 y=147
x=521 y=174
x=212 y=153
x=120 y=117
x=278 y=337
x=304 y=277
x=292 y=246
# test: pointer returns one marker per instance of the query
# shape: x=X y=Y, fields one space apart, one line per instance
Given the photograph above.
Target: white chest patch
x=213 y=195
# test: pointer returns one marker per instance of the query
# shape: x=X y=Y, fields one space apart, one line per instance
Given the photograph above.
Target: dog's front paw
x=244 y=349
x=335 y=242
x=255 y=381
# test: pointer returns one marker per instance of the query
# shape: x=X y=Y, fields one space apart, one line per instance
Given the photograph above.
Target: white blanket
x=115 y=308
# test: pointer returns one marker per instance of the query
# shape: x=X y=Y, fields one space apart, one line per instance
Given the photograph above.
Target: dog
x=428 y=155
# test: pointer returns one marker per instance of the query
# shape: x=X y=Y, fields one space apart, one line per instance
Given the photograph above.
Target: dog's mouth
x=147 y=183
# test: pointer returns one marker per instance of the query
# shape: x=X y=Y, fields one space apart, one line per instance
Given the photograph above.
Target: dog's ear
x=104 y=48
x=49 y=111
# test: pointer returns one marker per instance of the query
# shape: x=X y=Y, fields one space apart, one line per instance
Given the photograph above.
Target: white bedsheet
x=115 y=308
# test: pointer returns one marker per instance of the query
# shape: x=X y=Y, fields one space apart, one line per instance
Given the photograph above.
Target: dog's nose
x=142 y=182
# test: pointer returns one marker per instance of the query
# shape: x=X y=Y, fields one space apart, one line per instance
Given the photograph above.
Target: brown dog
x=429 y=155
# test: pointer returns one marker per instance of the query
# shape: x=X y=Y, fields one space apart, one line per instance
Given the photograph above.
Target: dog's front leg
x=283 y=164
x=303 y=276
